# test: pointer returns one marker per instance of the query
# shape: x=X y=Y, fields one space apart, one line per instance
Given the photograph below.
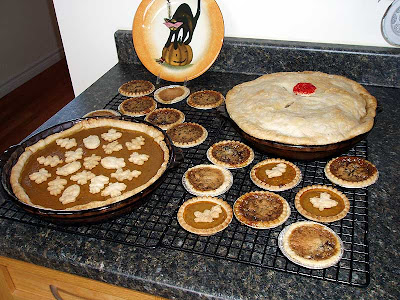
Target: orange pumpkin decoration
x=181 y=56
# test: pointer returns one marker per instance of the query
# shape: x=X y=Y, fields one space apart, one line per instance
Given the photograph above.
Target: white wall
x=29 y=41
x=87 y=26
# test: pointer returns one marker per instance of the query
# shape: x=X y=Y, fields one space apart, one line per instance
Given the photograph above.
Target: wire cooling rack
x=154 y=223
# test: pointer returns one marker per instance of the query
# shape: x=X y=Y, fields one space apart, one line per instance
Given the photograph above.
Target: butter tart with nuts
x=230 y=154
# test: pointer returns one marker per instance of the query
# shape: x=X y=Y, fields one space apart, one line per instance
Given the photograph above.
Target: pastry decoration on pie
x=205 y=215
x=230 y=154
x=96 y=162
x=322 y=203
x=138 y=106
x=205 y=99
x=165 y=118
x=261 y=209
x=171 y=94
x=187 y=134
x=351 y=172
x=136 y=88
x=207 y=180
x=102 y=113
x=275 y=174
x=311 y=245
x=302 y=108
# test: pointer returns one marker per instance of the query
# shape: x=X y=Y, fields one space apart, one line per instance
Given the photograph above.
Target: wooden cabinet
x=23 y=281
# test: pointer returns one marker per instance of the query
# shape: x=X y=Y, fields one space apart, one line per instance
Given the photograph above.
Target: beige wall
x=29 y=41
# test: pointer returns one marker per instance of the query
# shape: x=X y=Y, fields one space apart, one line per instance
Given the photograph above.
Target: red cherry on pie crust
x=304 y=88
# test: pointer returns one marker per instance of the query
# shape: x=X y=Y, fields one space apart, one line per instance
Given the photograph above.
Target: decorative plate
x=178 y=40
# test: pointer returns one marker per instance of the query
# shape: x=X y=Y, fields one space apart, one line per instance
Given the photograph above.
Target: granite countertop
x=183 y=275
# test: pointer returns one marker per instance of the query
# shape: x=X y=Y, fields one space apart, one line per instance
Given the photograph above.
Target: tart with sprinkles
x=136 y=88
x=230 y=154
x=138 y=106
x=351 y=172
x=205 y=215
x=322 y=203
x=165 y=118
x=186 y=135
x=171 y=94
x=261 y=209
x=275 y=174
x=205 y=99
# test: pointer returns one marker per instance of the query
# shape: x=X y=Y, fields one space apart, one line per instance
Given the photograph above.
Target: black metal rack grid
x=154 y=223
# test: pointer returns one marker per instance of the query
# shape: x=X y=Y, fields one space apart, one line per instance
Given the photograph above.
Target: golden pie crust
x=230 y=154
x=171 y=94
x=205 y=99
x=195 y=215
x=207 y=180
x=351 y=172
x=136 y=88
x=186 y=135
x=311 y=245
x=313 y=203
x=264 y=176
x=102 y=113
x=165 y=118
x=138 y=106
x=261 y=209
x=267 y=108
x=91 y=160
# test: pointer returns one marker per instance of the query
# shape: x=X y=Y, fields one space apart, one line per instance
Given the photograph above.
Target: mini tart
x=261 y=209
x=136 y=88
x=351 y=172
x=230 y=154
x=288 y=179
x=207 y=180
x=205 y=99
x=102 y=113
x=311 y=245
x=165 y=118
x=187 y=134
x=138 y=106
x=304 y=203
x=195 y=215
x=171 y=94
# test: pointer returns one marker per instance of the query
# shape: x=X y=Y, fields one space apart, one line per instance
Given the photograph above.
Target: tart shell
x=219 y=99
x=166 y=126
x=228 y=165
x=136 y=88
x=102 y=113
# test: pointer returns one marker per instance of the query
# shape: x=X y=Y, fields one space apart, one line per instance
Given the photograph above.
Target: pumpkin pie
x=136 y=88
x=275 y=174
x=351 y=172
x=322 y=203
x=187 y=134
x=207 y=180
x=311 y=245
x=165 y=118
x=171 y=94
x=205 y=99
x=205 y=215
x=230 y=154
x=96 y=162
x=261 y=209
x=138 y=106
x=102 y=113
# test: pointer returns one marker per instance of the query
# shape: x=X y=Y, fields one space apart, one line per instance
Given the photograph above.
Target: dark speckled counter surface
x=181 y=275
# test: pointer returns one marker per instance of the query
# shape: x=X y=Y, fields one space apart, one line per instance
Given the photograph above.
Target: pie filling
x=231 y=153
x=352 y=169
x=135 y=87
x=280 y=177
x=205 y=98
x=138 y=104
x=164 y=117
x=170 y=94
x=185 y=133
x=204 y=215
x=260 y=207
x=205 y=178
x=321 y=202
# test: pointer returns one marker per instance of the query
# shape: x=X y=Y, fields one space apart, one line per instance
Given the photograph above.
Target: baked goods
x=322 y=203
x=165 y=118
x=207 y=180
x=104 y=175
x=205 y=215
x=102 y=113
x=230 y=154
x=205 y=99
x=275 y=174
x=171 y=94
x=268 y=108
x=136 y=88
x=351 y=172
x=261 y=209
x=138 y=106
x=187 y=134
x=311 y=245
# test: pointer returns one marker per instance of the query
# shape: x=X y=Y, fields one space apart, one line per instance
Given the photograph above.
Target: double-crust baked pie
x=205 y=215
x=261 y=209
x=165 y=118
x=205 y=99
x=311 y=245
x=135 y=88
x=302 y=108
x=94 y=163
x=230 y=154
